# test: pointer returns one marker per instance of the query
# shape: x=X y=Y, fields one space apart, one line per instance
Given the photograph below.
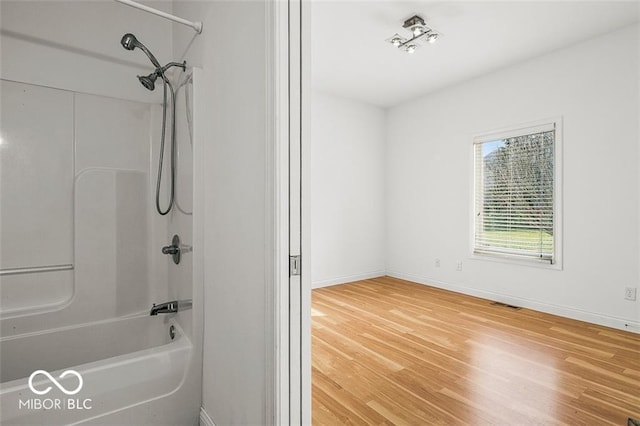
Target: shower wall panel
x=76 y=190
x=111 y=133
x=111 y=243
x=112 y=154
x=36 y=195
x=132 y=234
x=36 y=176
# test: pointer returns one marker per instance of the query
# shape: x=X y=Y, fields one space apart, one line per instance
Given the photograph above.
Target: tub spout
x=164 y=308
x=171 y=307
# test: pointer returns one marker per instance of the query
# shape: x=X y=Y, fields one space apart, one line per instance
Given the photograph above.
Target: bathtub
x=120 y=369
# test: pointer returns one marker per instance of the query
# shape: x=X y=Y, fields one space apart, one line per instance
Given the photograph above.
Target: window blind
x=514 y=194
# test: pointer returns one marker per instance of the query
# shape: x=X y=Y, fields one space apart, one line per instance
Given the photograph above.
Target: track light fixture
x=419 y=33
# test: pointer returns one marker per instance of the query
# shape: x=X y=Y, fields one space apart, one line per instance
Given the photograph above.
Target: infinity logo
x=55 y=382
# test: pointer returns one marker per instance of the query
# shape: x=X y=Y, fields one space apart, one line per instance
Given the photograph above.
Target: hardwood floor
x=387 y=351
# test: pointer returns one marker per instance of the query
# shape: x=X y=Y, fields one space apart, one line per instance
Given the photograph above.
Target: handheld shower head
x=148 y=81
x=130 y=42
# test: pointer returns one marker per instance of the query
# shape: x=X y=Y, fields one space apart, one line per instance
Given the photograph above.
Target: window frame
x=513 y=131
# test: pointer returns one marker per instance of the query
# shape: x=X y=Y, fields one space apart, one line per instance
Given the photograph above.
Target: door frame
x=288 y=72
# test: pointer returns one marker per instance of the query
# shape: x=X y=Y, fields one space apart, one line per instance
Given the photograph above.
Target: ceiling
x=349 y=55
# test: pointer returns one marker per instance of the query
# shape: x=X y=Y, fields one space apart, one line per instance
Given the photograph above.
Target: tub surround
x=80 y=146
x=87 y=206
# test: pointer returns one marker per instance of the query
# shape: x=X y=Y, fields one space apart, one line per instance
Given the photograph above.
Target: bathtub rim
x=70 y=327
x=181 y=341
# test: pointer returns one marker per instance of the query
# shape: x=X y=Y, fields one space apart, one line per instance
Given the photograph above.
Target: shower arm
x=161 y=70
x=182 y=65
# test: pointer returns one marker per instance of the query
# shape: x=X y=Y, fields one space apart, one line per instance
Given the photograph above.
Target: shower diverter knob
x=173 y=249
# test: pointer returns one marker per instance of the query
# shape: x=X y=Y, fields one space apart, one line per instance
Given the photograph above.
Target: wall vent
x=504 y=305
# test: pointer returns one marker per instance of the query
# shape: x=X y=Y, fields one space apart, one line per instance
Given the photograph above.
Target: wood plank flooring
x=387 y=351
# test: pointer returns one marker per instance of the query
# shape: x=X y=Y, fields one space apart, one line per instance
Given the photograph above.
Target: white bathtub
x=125 y=364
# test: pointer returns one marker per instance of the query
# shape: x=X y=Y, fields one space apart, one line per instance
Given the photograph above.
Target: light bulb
x=431 y=38
x=411 y=48
x=417 y=31
x=396 y=40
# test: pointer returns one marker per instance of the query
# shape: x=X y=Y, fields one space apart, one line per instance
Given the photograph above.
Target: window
x=515 y=193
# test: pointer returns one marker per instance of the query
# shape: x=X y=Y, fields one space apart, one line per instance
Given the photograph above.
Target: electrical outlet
x=459 y=265
x=437 y=262
x=630 y=293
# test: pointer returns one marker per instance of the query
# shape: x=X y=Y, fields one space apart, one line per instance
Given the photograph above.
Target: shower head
x=148 y=81
x=130 y=42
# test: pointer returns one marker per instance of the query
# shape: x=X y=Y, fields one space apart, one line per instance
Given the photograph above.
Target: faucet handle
x=174 y=249
x=170 y=249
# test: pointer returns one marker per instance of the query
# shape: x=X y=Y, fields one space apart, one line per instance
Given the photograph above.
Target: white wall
x=347 y=181
x=235 y=144
x=594 y=87
x=75 y=45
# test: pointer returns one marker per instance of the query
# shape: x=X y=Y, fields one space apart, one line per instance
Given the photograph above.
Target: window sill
x=518 y=261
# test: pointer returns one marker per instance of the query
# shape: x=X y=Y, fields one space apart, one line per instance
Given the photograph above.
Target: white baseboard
x=347 y=279
x=562 y=311
x=205 y=420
